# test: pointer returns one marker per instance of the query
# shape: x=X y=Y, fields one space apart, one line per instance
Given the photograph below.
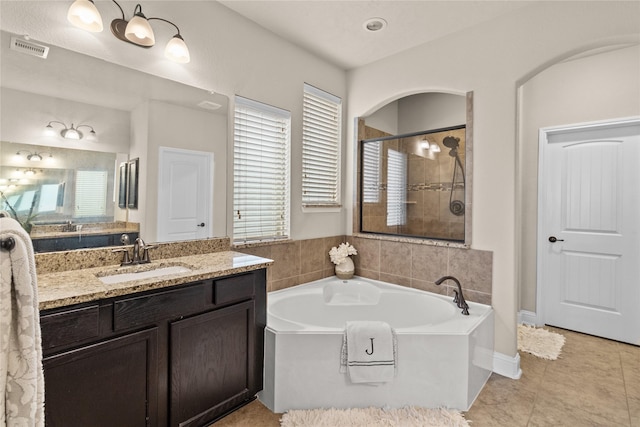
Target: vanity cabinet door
x=107 y=384
x=212 y=364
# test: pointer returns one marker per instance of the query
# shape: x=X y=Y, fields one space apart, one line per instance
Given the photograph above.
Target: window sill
x=321 y=208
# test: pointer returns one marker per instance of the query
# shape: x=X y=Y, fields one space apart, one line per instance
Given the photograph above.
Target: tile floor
x=596 y=382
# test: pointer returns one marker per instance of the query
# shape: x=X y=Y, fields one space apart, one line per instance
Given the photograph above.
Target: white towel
x=21 y=376
x=369 y=351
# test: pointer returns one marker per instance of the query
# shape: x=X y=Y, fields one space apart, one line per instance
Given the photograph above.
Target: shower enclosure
x=414 y=184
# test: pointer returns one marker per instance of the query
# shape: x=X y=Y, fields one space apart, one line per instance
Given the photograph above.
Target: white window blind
x=260 y=172
x=396 y=188
x=371 y=171
x=91 y=193
x=321 y=137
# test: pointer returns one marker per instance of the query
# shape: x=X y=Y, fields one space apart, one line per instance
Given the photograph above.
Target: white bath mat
x=540 y=342
x=374 y=417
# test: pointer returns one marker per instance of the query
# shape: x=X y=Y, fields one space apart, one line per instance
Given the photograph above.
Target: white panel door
x=589 y=232
x=185 y=194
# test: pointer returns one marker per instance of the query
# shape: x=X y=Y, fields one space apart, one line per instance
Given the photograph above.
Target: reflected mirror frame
x=123 y=185
x=132 y=184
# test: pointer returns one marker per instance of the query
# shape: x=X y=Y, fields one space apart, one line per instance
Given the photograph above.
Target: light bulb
x=177 y=50
x=49 y=130
x=139 y=31
x=84 y=14
x=71 y=133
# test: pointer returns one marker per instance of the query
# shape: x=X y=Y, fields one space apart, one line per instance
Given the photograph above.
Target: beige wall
x=492 y=59
x=592 y=88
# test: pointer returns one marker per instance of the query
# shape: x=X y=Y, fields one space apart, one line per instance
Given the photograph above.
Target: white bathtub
x=444 y=358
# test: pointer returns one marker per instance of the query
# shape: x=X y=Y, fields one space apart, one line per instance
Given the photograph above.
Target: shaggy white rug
x=374 y=417
x=540 y=342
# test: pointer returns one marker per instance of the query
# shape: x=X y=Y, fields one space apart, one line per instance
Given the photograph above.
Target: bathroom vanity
x=181 y=350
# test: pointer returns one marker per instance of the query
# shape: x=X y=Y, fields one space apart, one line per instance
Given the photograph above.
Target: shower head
x=451 y=142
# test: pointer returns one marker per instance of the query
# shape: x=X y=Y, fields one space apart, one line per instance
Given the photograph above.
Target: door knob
x=201 y=224
x=553 y=239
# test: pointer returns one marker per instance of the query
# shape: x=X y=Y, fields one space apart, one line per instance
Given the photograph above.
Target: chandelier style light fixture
x=84 y=14
x=70 y=132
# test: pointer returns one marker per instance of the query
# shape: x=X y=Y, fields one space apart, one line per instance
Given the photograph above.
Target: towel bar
x=7 y=244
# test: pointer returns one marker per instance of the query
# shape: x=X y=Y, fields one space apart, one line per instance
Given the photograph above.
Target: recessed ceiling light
x=374 y=24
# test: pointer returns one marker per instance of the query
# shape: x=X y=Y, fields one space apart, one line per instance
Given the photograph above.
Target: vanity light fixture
x=84 y=14
x=424 y=144
x=70 y=132
x=32 y=157
x=434 y=148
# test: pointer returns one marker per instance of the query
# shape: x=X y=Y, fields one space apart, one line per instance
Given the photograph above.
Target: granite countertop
x=77 y=286
x=83 y=232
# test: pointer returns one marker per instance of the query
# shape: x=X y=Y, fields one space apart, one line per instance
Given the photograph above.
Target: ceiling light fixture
x=70 y=132
x=374 y=24
x=84 y=14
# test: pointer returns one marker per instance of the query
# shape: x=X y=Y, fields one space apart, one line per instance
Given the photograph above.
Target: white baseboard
x=507 y=366
x=529 y=318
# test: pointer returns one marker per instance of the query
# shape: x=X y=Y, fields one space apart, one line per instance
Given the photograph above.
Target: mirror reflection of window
x=371 y=172
x=25 y=202
x=91 y=193
x=48 y=197
x=396 y=188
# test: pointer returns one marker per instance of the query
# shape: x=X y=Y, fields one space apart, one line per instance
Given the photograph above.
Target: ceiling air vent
x=29 y=47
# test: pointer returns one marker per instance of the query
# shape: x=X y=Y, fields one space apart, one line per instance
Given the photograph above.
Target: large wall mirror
x=79 y=180
x=414 y=163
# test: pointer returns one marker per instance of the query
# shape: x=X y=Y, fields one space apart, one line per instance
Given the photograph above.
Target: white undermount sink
x=127 y=277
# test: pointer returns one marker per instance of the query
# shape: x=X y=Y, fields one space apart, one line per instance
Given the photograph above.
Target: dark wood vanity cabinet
x=181 y=356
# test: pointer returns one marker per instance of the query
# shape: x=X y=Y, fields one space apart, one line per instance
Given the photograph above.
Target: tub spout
x=459 y=297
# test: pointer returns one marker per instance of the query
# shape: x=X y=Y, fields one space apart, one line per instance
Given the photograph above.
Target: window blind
x=371 y=171
x=321 y=137
x=260 y=172
x=396 y=188
x=91 y=193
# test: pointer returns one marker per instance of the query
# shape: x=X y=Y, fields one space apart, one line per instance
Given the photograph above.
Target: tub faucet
x=459 y=297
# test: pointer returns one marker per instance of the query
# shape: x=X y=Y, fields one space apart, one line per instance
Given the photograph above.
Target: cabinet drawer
x=232 y=289
x=148 y=309
x=68 y=327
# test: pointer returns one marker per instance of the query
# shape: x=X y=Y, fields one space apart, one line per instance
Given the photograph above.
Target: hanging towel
x=21 y=375
x=369 y=351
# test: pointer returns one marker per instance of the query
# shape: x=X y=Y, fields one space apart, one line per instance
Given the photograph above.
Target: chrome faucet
x=138 y=251
x=458 y=298
x=141 y=252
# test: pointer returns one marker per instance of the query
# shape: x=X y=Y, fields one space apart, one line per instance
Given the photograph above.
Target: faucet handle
x=145 y=253
x=125 y=256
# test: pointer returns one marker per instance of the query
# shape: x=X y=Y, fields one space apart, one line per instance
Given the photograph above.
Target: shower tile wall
x=408 y=264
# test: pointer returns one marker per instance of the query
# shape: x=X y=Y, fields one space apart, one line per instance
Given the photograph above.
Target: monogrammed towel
x=369 y=351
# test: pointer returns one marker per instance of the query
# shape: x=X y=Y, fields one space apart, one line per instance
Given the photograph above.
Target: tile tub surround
x=69 y=287
x=418 y=264
x=407 y=262
x=296 y=261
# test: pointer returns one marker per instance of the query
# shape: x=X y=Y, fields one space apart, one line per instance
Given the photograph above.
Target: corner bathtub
x=444 y=358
